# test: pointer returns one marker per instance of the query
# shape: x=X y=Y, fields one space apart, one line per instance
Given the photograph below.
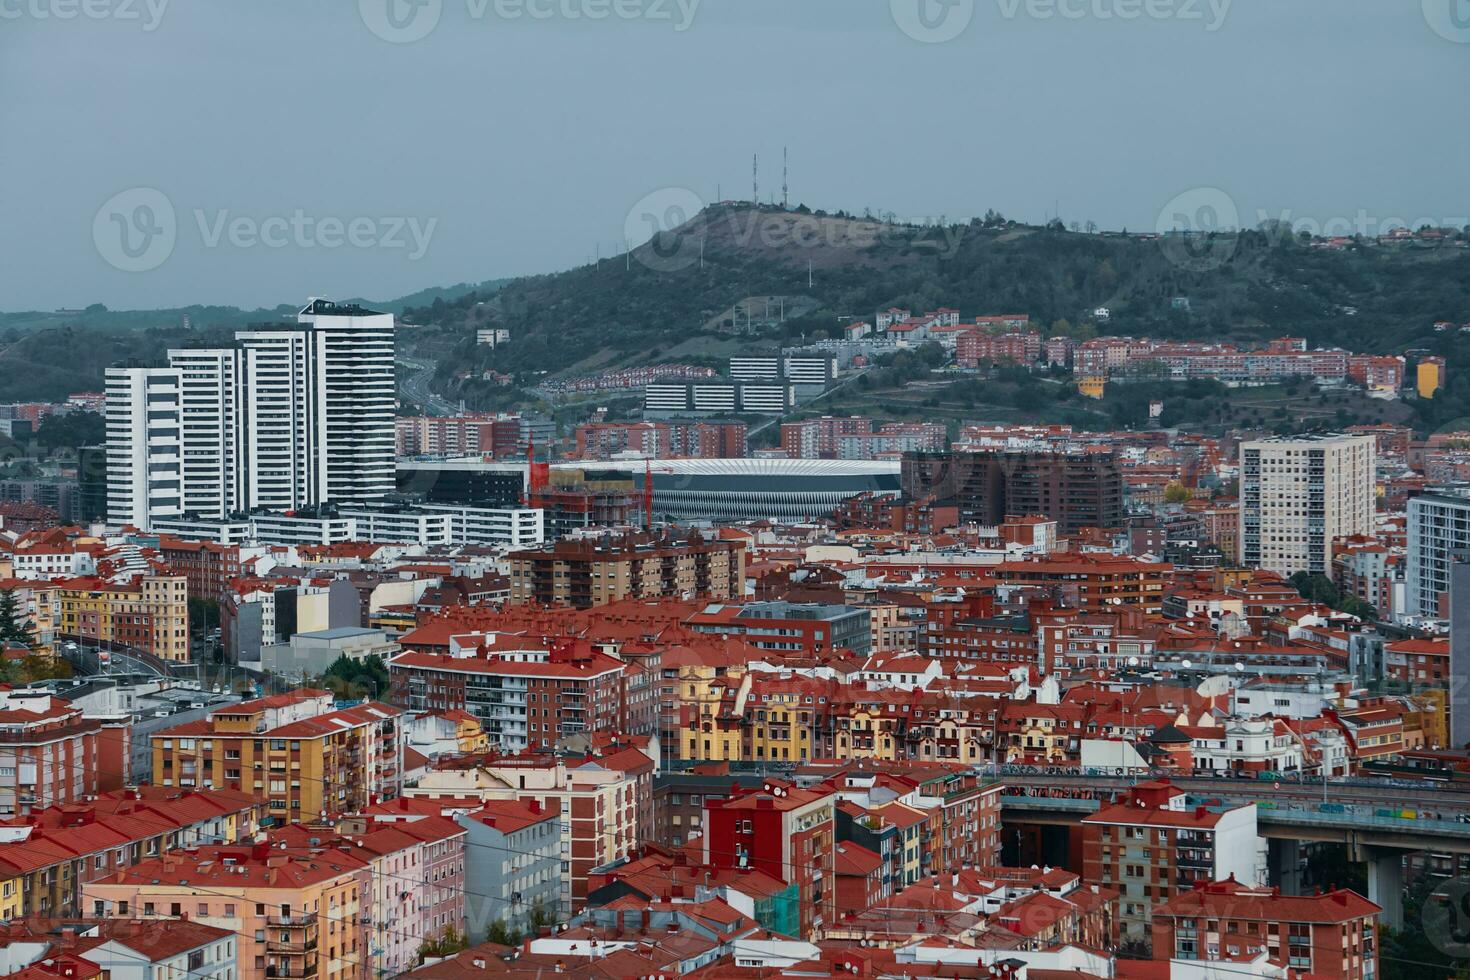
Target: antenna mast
x=784 y=174
x=755 y=179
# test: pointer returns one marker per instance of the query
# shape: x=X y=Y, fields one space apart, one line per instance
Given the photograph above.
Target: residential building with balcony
x=294 y=750
x=51 y=754
x=298 y=915
x=1153 y=846
x=1329 y=934
x=594 y=572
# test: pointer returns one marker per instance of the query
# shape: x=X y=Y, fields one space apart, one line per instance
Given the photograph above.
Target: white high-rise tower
x=294 y=416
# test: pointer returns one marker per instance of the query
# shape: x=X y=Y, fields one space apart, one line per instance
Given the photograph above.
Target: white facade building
x=144 y=445
x=1297 y=494
x=1439 y=529
x=294 y=416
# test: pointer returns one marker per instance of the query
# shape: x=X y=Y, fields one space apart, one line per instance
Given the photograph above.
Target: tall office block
x=355 y=393
x=1439 y=528
x=1299 y=493
x=210 y=433
x=293 y=416
x=144 y=445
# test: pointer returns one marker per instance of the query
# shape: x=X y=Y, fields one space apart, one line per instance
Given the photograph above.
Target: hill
x=48 y=355
x=671 y=299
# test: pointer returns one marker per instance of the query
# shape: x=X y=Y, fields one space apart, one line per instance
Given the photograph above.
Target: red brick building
x=527 y=692
x=208 y=567
x=1328 y=935
x=860 y=879
x=1153 y=846
x=54 y=756
x=786 y=832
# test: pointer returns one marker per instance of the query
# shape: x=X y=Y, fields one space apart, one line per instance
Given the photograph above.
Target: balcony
x=281 y=971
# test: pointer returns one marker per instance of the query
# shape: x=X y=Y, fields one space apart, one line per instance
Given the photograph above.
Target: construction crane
x=648 y=470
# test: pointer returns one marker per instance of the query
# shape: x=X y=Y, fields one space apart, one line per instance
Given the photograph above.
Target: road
x=1365 y=791
x=414 y=387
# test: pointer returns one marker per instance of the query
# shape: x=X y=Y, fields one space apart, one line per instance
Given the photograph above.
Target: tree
x=351 y=679
x=502 y=935
x=1177 y=493
x=15 y=624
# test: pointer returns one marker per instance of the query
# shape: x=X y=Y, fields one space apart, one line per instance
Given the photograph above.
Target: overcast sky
x=254 y=153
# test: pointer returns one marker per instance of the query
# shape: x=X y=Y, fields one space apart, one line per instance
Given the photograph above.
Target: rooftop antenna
x=784 y=173
x=755 y=179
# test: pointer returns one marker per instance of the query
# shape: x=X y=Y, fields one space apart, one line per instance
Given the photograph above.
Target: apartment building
x=418 y=881
x=484 y=434
x=514 y=858
x=1153 y=846
x=293 y=750
x=788 y=833
x=526 y=692
x=296 y=914
x=1093 y=583
x=1329 y=934
x=661 y=440
x=145 y=454
x=51 y=754
x=1438 y=534
x=148 y=613
x=594 y=572
x=290 y=416
x=604 y=804
x=1077 y=490
x=1298 y=494
x=791 y=627
x=53 y=853
x=127 y=950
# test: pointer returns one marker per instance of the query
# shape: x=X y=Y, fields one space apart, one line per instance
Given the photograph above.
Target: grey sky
x=516 y=145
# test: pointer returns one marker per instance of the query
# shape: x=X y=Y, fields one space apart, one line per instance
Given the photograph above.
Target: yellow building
x=1429 y=376
x=1092 y=386
x=291 y=749
x=709 y=709
x=11 y=901
x=149 y=613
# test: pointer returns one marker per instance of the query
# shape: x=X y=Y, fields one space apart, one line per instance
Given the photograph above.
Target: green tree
x=15 y=624
x=1176 y=493
x=351 y=679
x=502 y=935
